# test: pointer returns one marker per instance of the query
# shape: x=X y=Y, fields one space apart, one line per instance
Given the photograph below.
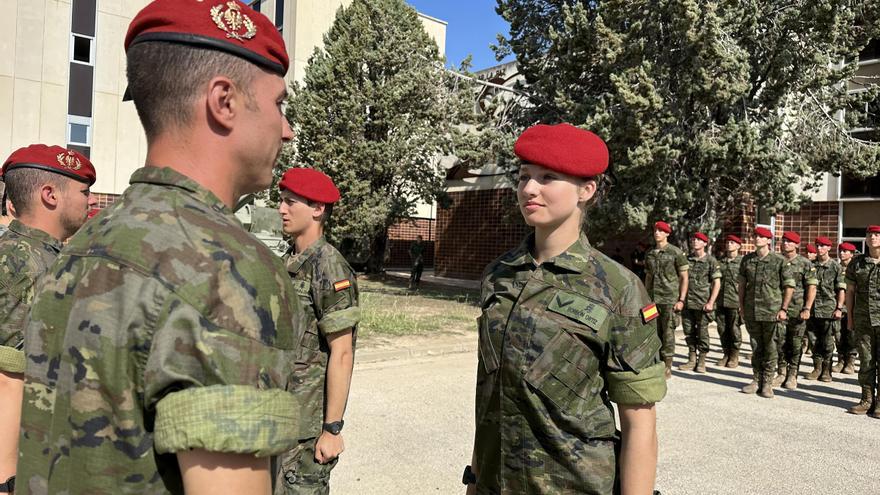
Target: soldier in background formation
x=812 y=253
x=863 y=307
x=799 y=308
x=827 y=310
x=666 y=279
x=728 y=315
x=845 y=338
x=704 y=283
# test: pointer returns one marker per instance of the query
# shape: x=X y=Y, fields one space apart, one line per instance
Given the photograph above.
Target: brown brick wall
x=810 y=221
x=477 y=228
x=104 y=200
x=403 y=234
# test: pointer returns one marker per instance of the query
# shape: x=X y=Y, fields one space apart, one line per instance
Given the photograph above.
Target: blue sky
x=473 y=26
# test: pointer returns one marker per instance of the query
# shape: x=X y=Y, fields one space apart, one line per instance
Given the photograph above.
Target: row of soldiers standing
x=787 y=301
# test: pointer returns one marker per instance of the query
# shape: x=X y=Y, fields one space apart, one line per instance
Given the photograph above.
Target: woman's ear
x=587 y=190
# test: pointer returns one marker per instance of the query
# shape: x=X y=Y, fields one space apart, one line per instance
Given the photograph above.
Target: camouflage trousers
x=696 y=329
x=729 y=331
x=845 y=340
x=821 y=331
x=791 y=336
x=868 y=344
x=666 y=330
x=300 y=474
x=764 y=336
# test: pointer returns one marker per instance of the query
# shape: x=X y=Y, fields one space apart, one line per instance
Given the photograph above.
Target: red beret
x=701 y=236
x=731 y=237
x=661 y=225
x=564 y=148
x=823 y=241
x=792 y=237
x=873 y=229
x=225 y=25
x=846 y=246
x=310 y=184
x=53 y=159
x=811 y=248
x=763 y=232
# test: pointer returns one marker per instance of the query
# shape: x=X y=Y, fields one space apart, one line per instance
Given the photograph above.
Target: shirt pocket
x=567 y=375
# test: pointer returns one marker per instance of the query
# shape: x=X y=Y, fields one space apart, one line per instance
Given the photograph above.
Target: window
x=859 y=188
x=255 y=4
x=279 y=15
x=79 y=130
x=82 y=49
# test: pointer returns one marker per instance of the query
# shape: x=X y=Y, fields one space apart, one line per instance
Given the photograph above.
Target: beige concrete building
x=62 y=74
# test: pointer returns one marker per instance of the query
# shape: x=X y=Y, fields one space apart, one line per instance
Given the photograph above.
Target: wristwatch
x=8 y=486
x=468 y=477
x=333 y=428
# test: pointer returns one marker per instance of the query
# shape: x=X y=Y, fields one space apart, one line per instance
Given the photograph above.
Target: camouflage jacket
x=765 y=280
x=863 y=272
x=729 y=297
x=163 y=326
x=25 y=255
x=327 y=288
x=804 y=274
x=662 y=267
x=703 y=272
x=831 y=281
x=557 y=344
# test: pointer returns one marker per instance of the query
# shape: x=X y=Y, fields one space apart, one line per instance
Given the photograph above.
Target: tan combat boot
x=866 y=402
x=780 y=375
x=753 y=386
x=724 y=359
x=825 y=375
x=817 y=369
x=849 y=365
x=790 y=382
x=875 y=411
x=766 y=390
x=691 y=362
x=733 y=362
x=701 y=363
x=668 y=372
x=839 y=366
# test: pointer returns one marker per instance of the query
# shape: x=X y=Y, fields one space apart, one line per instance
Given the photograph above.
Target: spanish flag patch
x=342 y=285
x=649 y=312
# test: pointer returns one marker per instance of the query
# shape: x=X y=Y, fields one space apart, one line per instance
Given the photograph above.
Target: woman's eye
x=523 y=178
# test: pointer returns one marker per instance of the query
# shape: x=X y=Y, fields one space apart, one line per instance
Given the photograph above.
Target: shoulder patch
x=342 y=285
x=649 y=313
x=579 y=309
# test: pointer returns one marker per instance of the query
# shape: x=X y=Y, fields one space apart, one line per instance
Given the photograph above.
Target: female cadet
x=564 y=332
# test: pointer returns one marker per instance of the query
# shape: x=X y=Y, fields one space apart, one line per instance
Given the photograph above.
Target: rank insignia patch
x=342 y=285
x=233 y=21
x=649 y=313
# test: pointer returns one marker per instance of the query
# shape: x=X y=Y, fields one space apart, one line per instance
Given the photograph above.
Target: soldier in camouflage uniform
x=827 y=310
x=704 y=283
x=863 y=303
x=728 y=314
x=666 y=278
x=810 y=340
x=564 y=331
x=160 y=347
x=49 y=188
x=327 y=286
x=804 y=274
x=845 y=339
x=765 y=290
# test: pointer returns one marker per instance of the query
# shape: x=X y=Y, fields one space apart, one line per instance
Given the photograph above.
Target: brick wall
x=403 y=234
x=478 y=227
x=104 y=200
x=810 y=221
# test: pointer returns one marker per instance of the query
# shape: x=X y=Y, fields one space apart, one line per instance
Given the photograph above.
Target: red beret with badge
x=873 y=229
x=564 y=148
x=811 y=249
x=662 y=226
x=701 y=236
x=736 y=239
x=763 y=232
x=310 y=184
x=791 y=237
x=228 y=26
x=823 y=241
x=52 y=159
x=846 y=246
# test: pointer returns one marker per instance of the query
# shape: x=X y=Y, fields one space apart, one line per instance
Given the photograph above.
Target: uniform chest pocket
x=567 y=374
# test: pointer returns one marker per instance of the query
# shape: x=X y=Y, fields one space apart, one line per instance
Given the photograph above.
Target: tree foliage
x=700 y=102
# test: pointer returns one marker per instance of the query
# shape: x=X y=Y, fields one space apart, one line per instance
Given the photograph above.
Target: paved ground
x=409 y=430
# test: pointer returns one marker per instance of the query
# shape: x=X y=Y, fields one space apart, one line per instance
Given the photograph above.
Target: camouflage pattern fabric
x=662 y=267
x=804 y=274
x=557 y=344
x=863 y=273
x=765 y=280
x=163 y=326
x=821 y=327
x=25 y=255
x=729 y=331
x=729 y=297
x=666 y=323
x=327 y=287
x=703 y=272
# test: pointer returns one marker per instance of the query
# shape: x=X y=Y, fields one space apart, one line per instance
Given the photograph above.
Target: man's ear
x=318 y=210
x=224 y=101
x=50 y=195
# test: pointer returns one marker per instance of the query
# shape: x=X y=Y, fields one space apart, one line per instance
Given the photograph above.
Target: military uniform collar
x=572 y=259
x=298 y=259
x=35 y=234
x=165 y=176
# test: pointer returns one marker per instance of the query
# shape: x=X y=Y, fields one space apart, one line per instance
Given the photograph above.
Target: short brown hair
x=23 y=183
x=165 y=78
